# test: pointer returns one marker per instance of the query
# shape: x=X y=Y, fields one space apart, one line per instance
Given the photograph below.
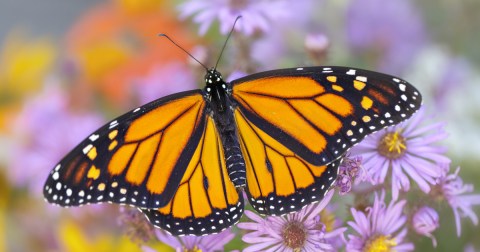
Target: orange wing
x=278 y=180
x=320 y=112
x=206 y=200
x=137 y=159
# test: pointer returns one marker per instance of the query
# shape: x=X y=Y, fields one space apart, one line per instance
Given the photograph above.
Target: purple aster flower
x=405 y=149
x=164 y=80
x=452 y=188
x=302 y=230
x=257 y=16
x=348 y=171
x=392 y=29
x=274 y=51
x=207 y=243
x=44 y=131
x=425 y=221
x=381 y=228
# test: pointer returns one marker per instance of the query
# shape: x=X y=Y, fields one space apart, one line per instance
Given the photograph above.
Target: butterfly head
x=213 y=78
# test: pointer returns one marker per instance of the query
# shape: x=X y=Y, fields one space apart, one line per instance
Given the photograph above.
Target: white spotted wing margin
x=219 y=220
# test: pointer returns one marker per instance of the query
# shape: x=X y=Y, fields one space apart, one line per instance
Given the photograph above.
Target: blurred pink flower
x=392 y=30
x=43 y=132
x=164 y=80
x=460 y=198
x=257 y=16
x=454 y=77
x=235 y=75
x=425 y=221
x=206 y=243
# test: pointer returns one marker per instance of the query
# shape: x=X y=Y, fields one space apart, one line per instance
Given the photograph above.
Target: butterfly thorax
x=217 y=96
x=216 y=90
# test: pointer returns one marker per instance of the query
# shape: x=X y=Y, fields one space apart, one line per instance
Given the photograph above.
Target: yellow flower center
x=380 y=243
x=135 y=6
x=328 y=219
x=194 y=249
x=294 y=235
x=392 y=145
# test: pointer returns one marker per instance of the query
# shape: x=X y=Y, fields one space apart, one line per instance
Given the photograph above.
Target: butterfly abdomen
x=235 y=163
x=231 y=148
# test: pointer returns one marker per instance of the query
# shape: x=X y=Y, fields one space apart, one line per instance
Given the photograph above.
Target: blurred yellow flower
x=136 y=7
x=74 y=240
x=24 y=63
x=101 y=57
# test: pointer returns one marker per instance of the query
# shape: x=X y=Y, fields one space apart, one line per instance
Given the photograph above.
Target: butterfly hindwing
x=320 y=112
x=206 y=200
x=135 y=158
x=278 y=181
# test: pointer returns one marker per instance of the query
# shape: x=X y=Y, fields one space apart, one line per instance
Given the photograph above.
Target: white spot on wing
x=362 y=78
x=87 y=149
x=113 y=124
x=93 y=137
x=351 y=72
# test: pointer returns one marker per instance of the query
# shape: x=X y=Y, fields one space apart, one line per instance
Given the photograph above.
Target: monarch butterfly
x=279 y=135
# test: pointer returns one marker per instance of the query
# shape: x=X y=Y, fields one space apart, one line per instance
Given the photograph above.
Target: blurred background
x=67 y=67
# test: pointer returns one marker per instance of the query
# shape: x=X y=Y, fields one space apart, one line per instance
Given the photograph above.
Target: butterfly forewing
x=133 y=159
x=320 y=112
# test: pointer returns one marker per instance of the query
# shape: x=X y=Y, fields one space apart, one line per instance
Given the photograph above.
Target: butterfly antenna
x=225 y=44
x=166 y=36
